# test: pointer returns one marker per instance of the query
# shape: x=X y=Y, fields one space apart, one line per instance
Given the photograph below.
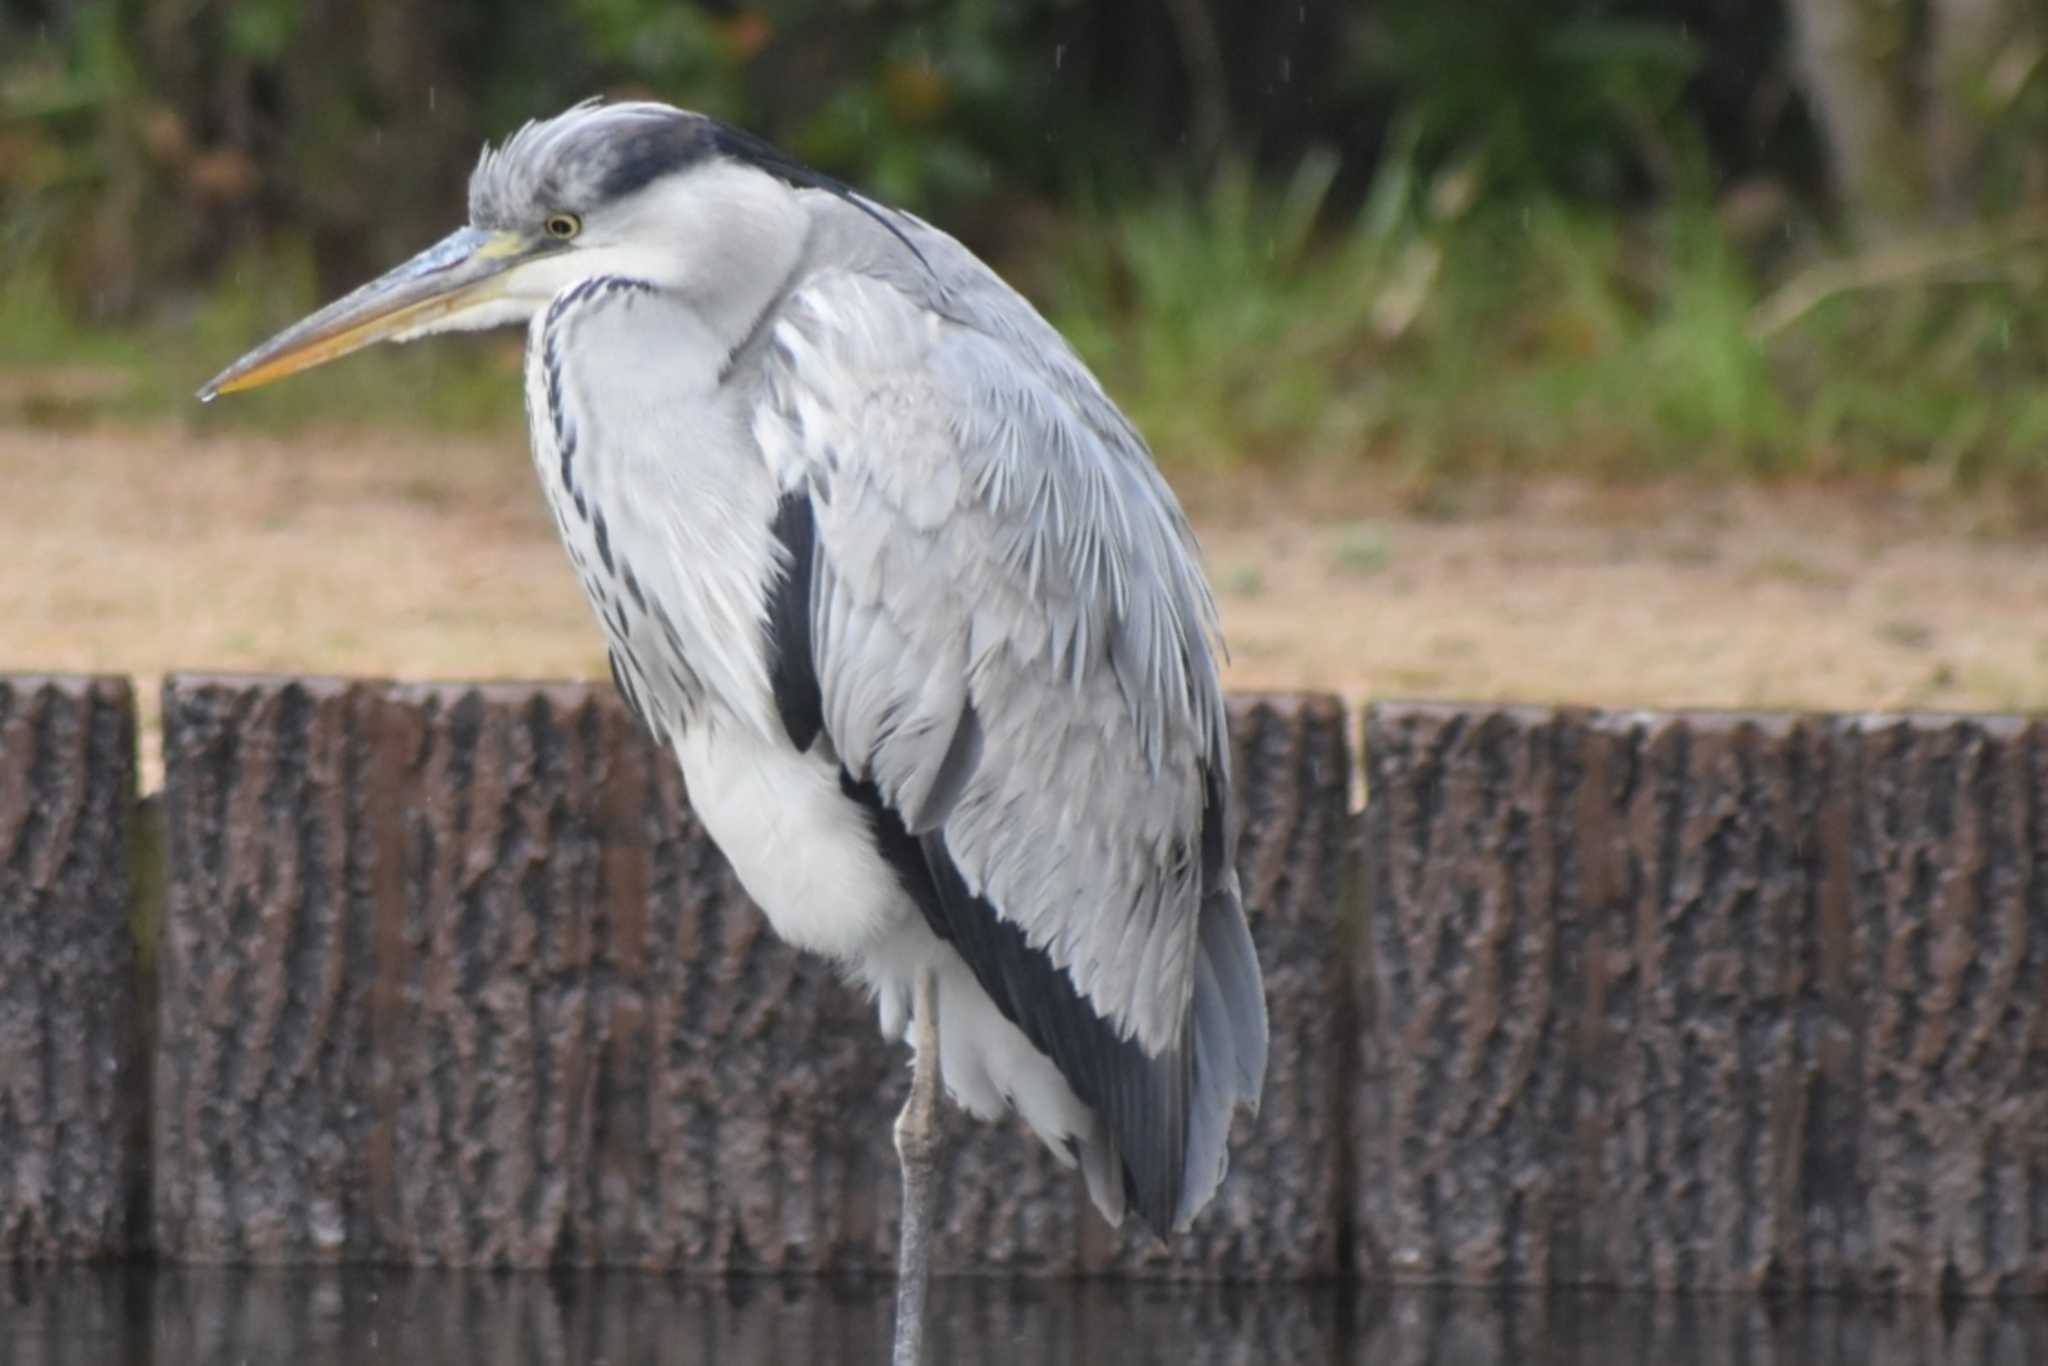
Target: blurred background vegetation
x=1618 y=236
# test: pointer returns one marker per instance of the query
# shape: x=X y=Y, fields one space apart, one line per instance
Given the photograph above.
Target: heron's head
x=645 y=191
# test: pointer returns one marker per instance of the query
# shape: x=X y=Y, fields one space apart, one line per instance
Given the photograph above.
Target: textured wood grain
x=1711 y=1002
x=71 y=1003
x=452 y=976
x=263 y=1079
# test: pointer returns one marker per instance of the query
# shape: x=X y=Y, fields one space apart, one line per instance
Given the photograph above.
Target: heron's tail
x=1226 y=1039
x=1227 y=1032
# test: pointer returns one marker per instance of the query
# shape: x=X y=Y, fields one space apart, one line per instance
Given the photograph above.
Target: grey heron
x=904 y=592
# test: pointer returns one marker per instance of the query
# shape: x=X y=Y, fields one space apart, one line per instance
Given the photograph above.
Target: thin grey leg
x=917 y=1149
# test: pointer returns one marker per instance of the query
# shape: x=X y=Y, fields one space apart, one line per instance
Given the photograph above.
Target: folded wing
x=992 y=613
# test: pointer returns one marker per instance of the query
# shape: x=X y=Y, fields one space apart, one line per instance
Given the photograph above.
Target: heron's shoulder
x=943 y=329
x=926 y=269
x=887 y=244
x=941 y=351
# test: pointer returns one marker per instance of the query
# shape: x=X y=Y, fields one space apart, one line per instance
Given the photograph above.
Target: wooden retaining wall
x=449 y=975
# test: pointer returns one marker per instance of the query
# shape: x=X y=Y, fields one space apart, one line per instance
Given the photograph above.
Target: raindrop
x=1287 y=70
x=1059 y=55
x=431 y=93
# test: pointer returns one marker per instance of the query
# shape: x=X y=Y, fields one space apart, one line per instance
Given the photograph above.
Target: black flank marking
x=791 y=668
x=899 y=849
x=1214 y=814
x=633 y=587
x=1143 y=1100
x=604 y=542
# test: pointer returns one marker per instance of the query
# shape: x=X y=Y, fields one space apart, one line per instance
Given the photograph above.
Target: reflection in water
x=185 y=1317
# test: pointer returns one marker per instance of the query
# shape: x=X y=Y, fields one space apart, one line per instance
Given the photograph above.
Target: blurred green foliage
x=1451 y=236
x=1546 y=97
x=144 y=144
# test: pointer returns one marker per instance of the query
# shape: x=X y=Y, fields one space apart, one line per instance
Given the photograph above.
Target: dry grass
x=144 y=551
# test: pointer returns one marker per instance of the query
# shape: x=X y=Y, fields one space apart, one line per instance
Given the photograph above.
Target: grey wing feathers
x=995 y=559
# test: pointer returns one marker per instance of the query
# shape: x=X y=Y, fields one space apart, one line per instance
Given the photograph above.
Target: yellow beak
x=462 y=270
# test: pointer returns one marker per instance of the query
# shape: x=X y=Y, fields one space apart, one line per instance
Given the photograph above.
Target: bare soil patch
x=146 y=551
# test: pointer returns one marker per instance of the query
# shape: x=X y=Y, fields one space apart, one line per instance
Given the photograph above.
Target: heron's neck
x=733 y=239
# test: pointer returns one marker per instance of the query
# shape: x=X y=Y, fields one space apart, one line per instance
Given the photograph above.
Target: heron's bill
x=462 y=270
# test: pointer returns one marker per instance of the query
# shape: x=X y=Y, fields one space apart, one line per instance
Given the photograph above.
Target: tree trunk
x=1908 y=94
x=1852 y=55
x=1962 y=95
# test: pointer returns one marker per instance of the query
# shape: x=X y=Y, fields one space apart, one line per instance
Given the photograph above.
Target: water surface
x=189 y=1317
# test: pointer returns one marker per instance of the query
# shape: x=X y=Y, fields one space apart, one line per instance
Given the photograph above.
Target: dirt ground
x=141 y=552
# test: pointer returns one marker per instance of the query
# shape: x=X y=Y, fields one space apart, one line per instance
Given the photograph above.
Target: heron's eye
x=563 y=226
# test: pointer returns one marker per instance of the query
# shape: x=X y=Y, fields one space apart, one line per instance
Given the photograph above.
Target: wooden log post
x=72 y=1004
x=1705 y=1002
x=451 y=975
